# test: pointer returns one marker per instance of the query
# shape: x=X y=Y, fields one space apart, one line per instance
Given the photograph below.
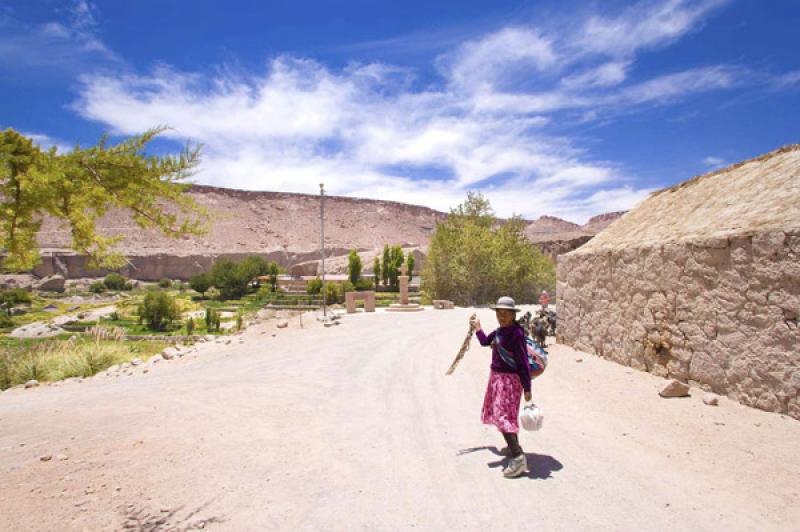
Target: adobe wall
x=721 y=314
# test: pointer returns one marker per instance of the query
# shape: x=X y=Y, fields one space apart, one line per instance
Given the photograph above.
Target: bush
x=97 y=287
x=158 y=310
x=213 y=320
x=165 y=283
x=314 y=286
x=14 y=296
x=200 y=283
x=190 y=326
x=364 y=284
x=115 y=281
x=6 y=322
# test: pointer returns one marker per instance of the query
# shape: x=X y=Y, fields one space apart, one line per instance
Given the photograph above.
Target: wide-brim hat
x=505 y=303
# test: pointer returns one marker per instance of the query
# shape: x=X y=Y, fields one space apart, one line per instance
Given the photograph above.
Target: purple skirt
x=501 y=403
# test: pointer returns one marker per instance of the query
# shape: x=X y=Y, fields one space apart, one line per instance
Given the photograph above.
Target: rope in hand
x=464 y=347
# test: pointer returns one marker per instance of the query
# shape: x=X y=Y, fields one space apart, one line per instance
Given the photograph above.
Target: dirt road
x=355 y=427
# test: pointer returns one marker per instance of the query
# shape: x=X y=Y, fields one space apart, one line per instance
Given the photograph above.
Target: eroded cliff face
x=279 y=226
x=721 y=313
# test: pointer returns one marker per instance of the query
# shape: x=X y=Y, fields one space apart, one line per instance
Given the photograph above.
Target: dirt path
x=355 y=427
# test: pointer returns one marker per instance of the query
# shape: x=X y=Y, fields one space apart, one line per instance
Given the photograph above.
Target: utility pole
x=322 y=247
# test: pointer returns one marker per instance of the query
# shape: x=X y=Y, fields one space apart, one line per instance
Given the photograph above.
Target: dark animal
x=540 y=332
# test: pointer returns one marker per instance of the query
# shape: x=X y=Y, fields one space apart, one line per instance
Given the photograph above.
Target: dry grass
x=54 y=360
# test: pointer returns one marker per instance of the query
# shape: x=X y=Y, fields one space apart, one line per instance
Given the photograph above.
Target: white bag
x=531 y=417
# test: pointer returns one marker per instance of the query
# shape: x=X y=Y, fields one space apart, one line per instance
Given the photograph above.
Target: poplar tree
x=79 y=186
x=376 y=269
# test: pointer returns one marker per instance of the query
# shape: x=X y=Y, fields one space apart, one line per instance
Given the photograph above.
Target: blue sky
x=555 y=107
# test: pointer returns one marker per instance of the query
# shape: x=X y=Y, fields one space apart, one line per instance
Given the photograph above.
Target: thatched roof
x=754 y=196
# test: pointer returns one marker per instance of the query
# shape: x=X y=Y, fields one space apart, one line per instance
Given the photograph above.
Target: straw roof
x=754 y=196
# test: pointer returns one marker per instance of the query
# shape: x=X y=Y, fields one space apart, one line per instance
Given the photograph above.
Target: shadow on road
x=540 y=466
x=140 y=519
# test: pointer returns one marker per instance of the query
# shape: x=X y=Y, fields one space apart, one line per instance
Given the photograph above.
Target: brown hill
x=279 y=226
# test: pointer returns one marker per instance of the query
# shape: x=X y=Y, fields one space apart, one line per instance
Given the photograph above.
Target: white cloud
x=46 y=142
x=644 y=25
x=69 y=44
x=714 y=162
x=366 y=131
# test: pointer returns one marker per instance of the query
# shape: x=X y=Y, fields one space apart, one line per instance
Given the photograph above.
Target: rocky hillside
x=283 y=227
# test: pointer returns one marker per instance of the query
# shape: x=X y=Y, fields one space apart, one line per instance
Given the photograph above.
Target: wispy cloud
x=485 y=123
x=714 y=162
x=68 y=43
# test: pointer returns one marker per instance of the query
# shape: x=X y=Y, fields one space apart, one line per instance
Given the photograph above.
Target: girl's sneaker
x=516 y=467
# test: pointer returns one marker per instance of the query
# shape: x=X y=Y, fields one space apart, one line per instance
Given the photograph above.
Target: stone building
x=701 y=282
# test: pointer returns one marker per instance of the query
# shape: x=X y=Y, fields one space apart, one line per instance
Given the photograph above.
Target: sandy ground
x=356 y=427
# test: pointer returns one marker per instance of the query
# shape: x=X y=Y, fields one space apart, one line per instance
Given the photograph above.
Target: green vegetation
x=200 y=283
x=79 y=186
x=165 y=283
x=473 y=260
x=56 y=359
x=233 y=279
x=410 y=265
x=353 y=266
x=376 y=269
x=158 y=310
x=115 y=281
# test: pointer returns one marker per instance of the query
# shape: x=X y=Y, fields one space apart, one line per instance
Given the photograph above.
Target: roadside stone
x=62 y=458
x=136 y=362
x=50 y=308
x=674 y=388
x=32 y=383
x=45 y=458
x=283 y=324
x=710 y=399
x=156 y=359
x=167 y=354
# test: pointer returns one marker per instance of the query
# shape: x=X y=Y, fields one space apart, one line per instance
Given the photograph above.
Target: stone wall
x=721 y=314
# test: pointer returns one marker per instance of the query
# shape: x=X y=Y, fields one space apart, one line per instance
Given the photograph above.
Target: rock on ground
x=674 y=388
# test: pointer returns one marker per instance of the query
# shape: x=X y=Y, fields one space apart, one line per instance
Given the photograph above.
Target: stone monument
x=404 y=305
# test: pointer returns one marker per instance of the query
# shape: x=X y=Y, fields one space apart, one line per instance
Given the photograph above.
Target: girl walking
x=510 y=376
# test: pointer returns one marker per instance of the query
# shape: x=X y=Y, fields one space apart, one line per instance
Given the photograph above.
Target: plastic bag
x=531 y=417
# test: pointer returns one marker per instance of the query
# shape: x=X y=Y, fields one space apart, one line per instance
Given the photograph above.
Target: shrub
x=6 y=322
x=314 y=286
x=158 y=310
x=128 y=286
x=212 y=320
x=165 y=283
x=232 y=279
x=200 y=283
x=190 y=326
x=14 y=296
x=97 y=287
x=115 y=281
x=364 y=284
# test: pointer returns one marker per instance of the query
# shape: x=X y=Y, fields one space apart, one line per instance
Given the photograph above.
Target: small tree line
x=386 y=271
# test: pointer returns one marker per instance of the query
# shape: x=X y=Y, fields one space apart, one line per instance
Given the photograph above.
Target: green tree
x=410 y=264
x=376 y=270
x=354 y=266
x=274 y=270
x=79 y=186
x=158 y=310
x=200 y=283
x=190 y=326
x=472 y=259
x=385 y=265
x=396 y=260
x=233 y=279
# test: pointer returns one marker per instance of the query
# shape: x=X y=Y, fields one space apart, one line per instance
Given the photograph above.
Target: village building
x=700 y=282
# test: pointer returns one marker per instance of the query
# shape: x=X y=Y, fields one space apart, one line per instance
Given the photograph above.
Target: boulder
x=32 y=383
x=283 y=324
x=52 y=283
x=710 y=399
x=674 y=388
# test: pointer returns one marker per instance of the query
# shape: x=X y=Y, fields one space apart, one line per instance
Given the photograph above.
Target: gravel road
x=356 y=427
